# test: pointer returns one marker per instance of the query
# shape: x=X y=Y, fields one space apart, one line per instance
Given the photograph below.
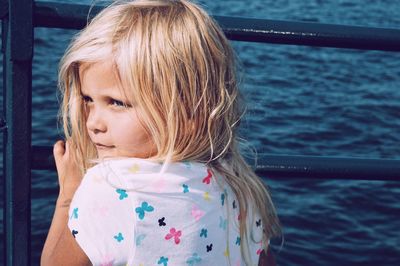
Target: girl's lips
x=101 y=146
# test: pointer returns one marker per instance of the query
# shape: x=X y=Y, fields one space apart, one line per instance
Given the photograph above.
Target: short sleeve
x=100 y=219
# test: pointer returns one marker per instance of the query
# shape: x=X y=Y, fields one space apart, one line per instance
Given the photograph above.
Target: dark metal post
x=17 y=138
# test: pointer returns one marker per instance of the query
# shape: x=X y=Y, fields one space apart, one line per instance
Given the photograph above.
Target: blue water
x=302 y=100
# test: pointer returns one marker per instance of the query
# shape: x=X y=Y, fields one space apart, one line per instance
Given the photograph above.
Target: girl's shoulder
x=136 y=173
x=142 y=166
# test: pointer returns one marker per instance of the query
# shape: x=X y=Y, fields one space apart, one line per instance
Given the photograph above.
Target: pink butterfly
x=107 y=260
x=174 y=234
x=207 y=179
x=197 y=213
x=159 y=184
x=259 y=250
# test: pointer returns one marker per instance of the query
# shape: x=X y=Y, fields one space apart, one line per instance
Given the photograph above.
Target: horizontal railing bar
x=75 y=16
x=276 y=166
x=310 y=34
x=63 y=15
x=315 y=167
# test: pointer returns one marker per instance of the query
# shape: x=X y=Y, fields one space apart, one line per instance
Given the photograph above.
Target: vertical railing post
x=17 y=138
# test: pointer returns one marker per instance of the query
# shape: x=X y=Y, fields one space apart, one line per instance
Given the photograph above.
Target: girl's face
x=113 y=123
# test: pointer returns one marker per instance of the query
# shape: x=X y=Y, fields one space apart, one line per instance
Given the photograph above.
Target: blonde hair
x=181 y=71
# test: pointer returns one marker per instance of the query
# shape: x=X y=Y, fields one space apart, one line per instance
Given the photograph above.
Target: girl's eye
x=118 y=103
x=86 y=99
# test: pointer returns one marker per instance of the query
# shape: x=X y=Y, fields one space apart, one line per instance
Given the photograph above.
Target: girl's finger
x=58 y=152
x=59 y=149
x=67 y=148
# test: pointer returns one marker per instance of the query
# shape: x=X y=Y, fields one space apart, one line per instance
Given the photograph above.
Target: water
x=302 y=100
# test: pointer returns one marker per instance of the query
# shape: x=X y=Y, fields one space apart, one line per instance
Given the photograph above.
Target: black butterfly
x=234 y=204
x=74 y=232
x=258 y=223
x=161 y=222
x=209 y=248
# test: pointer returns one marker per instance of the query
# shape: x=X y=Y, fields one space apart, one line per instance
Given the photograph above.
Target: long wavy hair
x=176 y=64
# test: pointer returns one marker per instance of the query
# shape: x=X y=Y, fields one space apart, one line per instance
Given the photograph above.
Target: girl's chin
x=107 y=153
x=102 y=154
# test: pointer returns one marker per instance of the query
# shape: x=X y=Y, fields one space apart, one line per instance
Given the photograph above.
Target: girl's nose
x=95 y=121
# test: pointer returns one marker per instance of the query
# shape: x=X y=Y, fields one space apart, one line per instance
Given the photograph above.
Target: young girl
x=150 y=110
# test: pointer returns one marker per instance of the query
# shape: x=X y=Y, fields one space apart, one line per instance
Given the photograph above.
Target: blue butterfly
x=139 y=239
x=222 y=199
x=203 y=233
x=193 y=259
x=222 y=223
x=119 y=237
x=185 y=188
x=144 y=208
x=122 y=193
x=74 y=213
x=188 y=164
x=163 y=260
x=238 y=241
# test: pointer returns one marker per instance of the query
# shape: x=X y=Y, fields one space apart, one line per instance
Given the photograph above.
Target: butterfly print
x=222 y=223
x=159 y=184
x=173 y=233
x=226 y=253
x=237 y=262
x=209 y=247
x=107 y=260
x=197 y=213
x=185 y=188
x=119 y=237
x=203 y=233
x=144 y=208
x=206 y=196
x=134 y=169
x=74 y=214
x=193 y=259
x=187 y=164
x=163 y=260
x=100 y=210
x=139 y=239
x=161 y=222
x=122 y=193
x=238 y=241
x=207 y=179
x=74 y=233
x=259 y=251
x=222 y=199
x=258 y=223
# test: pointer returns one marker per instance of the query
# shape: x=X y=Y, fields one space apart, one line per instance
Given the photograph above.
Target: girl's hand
x=69 y=174
x=60 y=247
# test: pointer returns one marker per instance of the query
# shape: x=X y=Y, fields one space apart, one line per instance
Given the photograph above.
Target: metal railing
x=291 y=166
x=19 y=17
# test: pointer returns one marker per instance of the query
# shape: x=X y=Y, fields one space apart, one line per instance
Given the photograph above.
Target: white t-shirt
x=136 y=212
